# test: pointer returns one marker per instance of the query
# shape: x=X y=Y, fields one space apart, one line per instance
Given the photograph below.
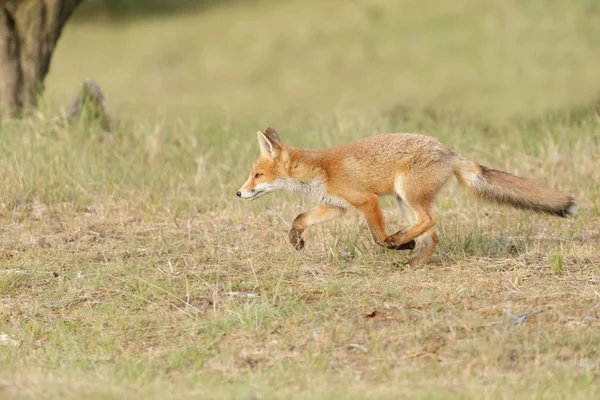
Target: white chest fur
x=316 y=190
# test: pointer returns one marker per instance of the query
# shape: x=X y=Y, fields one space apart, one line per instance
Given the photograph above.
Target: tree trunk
x=29 y=31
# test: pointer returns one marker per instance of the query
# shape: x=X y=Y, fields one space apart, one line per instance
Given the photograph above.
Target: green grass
x=143 y=276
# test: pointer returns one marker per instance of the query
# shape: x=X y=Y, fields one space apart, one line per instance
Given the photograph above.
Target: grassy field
x=129 y=269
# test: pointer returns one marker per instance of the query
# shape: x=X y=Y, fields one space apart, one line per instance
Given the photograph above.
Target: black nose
x=239 y=194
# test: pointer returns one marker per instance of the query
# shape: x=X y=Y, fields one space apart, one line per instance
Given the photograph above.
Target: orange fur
x=411 y=167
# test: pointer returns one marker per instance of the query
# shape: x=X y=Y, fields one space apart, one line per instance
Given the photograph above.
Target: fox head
x=268 y=172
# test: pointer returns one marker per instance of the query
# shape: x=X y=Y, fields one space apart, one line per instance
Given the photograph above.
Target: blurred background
x=126 y=255
x=273 y=59
x=513 y=84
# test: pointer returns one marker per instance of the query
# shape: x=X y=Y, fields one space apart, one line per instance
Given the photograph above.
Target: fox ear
x=269 y=148
x=272 y=135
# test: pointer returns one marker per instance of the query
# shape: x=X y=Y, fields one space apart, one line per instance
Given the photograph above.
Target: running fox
x=411 y=167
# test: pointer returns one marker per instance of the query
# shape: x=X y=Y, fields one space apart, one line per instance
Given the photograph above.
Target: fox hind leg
x=417 y=192
x=407 y=216
x=427 y=244
x=424 y=222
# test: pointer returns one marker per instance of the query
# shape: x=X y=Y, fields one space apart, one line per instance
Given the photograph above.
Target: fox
x=412 y=167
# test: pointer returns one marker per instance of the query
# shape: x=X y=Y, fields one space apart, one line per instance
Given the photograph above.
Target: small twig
x=349 y=271
x=522 y=319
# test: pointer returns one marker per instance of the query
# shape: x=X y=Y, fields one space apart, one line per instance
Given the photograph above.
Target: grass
x=129 y=269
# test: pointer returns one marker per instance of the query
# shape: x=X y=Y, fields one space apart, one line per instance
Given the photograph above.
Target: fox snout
x=248 y=194
x=251 y=191
x=245 y=194
x=247 y=191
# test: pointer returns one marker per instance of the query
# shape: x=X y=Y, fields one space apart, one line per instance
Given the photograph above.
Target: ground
x=129 y=268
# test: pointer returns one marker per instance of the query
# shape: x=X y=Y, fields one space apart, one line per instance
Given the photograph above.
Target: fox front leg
x=317 y=215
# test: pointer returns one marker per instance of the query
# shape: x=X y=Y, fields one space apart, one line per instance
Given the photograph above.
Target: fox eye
x=258 y=175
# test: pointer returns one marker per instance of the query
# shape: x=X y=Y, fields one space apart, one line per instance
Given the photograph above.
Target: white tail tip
x=572 y=209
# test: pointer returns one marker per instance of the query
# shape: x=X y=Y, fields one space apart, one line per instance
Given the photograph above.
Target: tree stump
x=29 y=31
x=89 y=104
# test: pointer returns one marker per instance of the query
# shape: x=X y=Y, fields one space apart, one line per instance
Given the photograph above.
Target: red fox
x=411 y=167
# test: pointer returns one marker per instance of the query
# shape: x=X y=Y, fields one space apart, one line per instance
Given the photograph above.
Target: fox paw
x=410 y=245
x=296 y=240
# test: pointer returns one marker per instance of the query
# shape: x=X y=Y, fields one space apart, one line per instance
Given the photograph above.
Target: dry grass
x=130 y=270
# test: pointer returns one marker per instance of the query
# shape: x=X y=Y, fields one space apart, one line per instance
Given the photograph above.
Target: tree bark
x=29 y=31
x=10 y=71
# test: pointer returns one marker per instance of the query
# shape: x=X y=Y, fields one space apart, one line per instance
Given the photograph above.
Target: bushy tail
x=504 y=188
